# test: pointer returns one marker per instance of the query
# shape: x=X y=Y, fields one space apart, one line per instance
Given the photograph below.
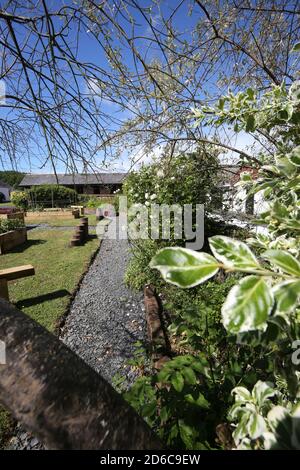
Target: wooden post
x=4 y=289
x=58 y=397
x=11 y=274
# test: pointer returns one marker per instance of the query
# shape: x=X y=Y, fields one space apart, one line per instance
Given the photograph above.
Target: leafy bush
x=6 y=426
x=196 y=315
x=262 y=310
x=138 y=271
x=185 y=400
x=13 y=178
x=7 y=225
x=2 y=197
x=49 y=194
x=93 y=202
x=183 y=179
x=20 y=199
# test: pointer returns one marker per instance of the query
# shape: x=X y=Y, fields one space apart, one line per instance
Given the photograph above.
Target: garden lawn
x=55 y=220
x=45 y=296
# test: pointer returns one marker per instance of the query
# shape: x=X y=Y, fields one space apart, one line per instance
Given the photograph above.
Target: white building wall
x=260 y=204
x=6 y=193
x=234 y=200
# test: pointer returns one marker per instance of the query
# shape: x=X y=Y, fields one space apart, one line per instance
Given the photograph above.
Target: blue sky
x=89 y=51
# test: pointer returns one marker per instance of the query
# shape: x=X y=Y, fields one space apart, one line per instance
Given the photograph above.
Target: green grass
x=45 y=296
x=6 y=426
x=53 y=220
x=6 y=204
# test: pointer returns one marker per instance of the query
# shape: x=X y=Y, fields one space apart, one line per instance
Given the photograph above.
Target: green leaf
x=201 y=401
x=245 y=176
x=186 y=434
x=250 y=93
x=177 y=381
x=296 y=47
x=233 y=253
x=221 y=103
x=149 y=409
x=173 y=433
x=287 y=296
x=164 y=414
x=285 y=166
x=276 y=415
x=256 y=425
x=262 y=391
x=283 y=260
x=286 y=428
x=183 y=267
x=250 y=123
x=164 y=374
x=241 y=430
x=248 y=305
x=242 y=394
x=294 y=156
x=189 y=375
x=201 y=365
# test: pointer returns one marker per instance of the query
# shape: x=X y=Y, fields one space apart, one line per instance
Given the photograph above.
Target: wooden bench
x=12 y=274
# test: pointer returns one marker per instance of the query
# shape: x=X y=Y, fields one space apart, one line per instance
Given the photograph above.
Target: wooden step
x=18 y=272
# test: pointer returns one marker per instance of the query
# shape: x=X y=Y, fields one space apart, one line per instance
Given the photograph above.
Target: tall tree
x=88 y=80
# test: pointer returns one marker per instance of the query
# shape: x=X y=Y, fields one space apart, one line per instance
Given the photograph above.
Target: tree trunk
x=58 y=397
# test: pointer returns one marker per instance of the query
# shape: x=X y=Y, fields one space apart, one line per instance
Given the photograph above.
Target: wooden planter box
x=10 y=240
x=16 y=215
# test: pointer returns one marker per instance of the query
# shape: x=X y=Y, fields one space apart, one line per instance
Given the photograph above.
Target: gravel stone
x=106 y=318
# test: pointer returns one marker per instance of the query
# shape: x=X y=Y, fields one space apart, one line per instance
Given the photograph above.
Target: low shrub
x=198 y=316
x=185 y=400
x=6 y=225
x=93 y=202
x=20 y=199
x=6 y=426
x=138 y=272
x=48 y=194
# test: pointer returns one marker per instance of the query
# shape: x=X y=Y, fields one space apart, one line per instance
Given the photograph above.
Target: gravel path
x=106 y=319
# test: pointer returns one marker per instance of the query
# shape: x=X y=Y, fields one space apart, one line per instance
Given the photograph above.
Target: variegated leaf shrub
x=264 y=306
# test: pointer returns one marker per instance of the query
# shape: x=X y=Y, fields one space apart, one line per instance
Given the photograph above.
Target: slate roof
x=5 y=185
x=76 y=179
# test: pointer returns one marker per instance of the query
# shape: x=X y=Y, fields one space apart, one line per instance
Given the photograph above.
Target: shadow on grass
x=39 y=299
x=24 y=246
x=31 y=226
x=92 y=237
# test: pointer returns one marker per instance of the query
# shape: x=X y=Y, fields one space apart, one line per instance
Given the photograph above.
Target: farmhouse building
x=94 y=183
x=235 y=198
